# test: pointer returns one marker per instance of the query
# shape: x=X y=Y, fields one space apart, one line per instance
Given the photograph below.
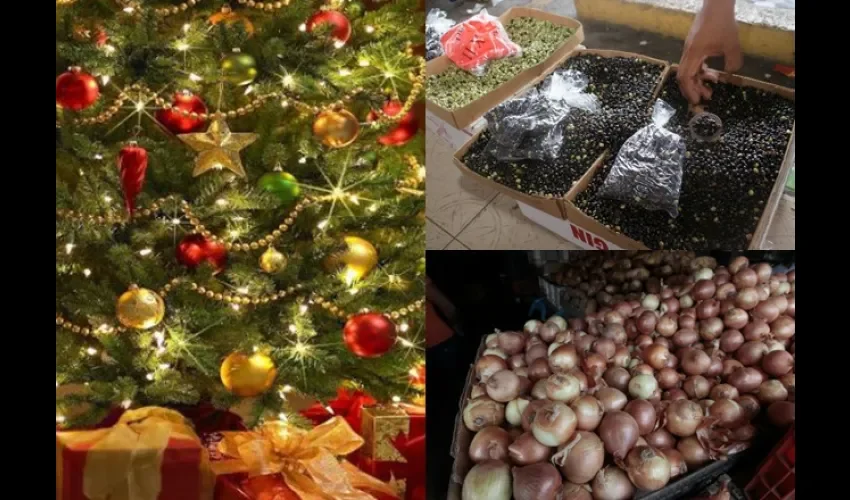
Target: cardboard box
x=595 y=228
x=465 y=116
x=578 y=235
x=557 y=207
x=456 y=138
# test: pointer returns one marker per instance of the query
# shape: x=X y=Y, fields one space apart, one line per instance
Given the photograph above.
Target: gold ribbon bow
x=305 y=459
x=125 y=461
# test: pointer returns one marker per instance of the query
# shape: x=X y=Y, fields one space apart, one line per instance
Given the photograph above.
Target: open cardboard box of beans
x=462 y=117
x=552 y=204
x=751 y=197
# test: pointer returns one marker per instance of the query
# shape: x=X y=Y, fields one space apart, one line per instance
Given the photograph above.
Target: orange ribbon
x=305 y=459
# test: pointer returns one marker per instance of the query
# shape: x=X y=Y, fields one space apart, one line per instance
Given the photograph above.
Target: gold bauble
x=359 y=258
x=140 y=308
x=272 y=261
x=336 y=129
x=248 y=376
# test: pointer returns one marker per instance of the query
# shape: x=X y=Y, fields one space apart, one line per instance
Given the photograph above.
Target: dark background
x=489 y=290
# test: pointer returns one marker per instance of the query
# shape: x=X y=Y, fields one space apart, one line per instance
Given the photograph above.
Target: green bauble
x=355 y=9
x=281 y=184
x=238 y=68
x=367 y=159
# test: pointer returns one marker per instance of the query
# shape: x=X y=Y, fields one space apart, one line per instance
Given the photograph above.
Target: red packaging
x=476 y=41
x=401 y=428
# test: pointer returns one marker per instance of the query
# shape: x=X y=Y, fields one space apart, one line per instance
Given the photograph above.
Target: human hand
x=713 y=33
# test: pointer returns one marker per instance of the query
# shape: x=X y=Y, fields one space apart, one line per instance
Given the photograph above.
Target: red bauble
x=76 y=90
x=406 y=129
x=369 y=335
x=180 y=123
x=132 y=165
x=341 y=25
x=195 y=249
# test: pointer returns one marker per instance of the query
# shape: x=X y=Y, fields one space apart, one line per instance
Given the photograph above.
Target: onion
x=781 y=413
x=529 y=413
x=611 y=399
x=577 y=324
x=490 y=480
x=612 y=483
x=570 y=491
x=538 y=390
x=703 y=290
x=650 y=302
x=585 y=342
x=716 y=366
x=745 y=278
x=746 y=379
x=482 y=412
x=589 y=411
x=791 y=306
x=668 y=378
x=781 y=303
x=708 y=309
x=532 y=326
x=548 y=331
x=788 y=381
x=683 y=417
x=562 y=387
x=594 y=364
x=725 y=291
x=763 y=271
x=697 y=387
x=619 y=431
x=516 y=361
x=728 y=413
x=711 y=328
x=503 y=386
x=726 y=306
x=511 y=342
x=744 y=433
x=783 y=328
x=613 y=318
x=766 y=310
x=532 y=341
x=514 y=410
x=581 y=458
x=642 y=386
x=561 y=322
x=647 y=468
x=670 y=304
x=660 y=438
x=688 y=321
x=554 y=424
x=605 y=348
x=495 y=352
x=539 y=369
x=642 y=369
x=692 y=451
x=667 y=325
x=644 y=414
x=565 y=337
x=731 y=340
x=491 y=443
x=492 y=341
x=536 y=352
x=703 y=274
x=763 y=291
x=724 y=391
x=563 y=359
x=488 y=365
x=750 y=405
x=777 y=363
x=677 y=461
x=624 y=308
x=656 y=356
x=736 y=318
x=685 y=337
x=747 y=298
x=582 y=378
x=642 y=341
x=758 y=329
x=695 y=362
x=522 y=371
x=526 y=450
x=686 y=301
x=616 y=332
x=631 y=328
x=771 y=391
x=617 y=377
x=738 y=263
x=540 y=481
x=751 y=353
x=621 y=357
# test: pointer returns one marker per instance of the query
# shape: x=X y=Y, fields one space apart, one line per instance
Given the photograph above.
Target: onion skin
x=581 y=458
x=589 y=412
x=644 y=414
x=529 y=413
x=516 y=361
x=667 y=325
x=615 y=332
x=703 y=290
x=554 y=424
x=683 y=418
x=532 y=326
x=751 y=353
x=710 y=328
x=750 y=404
x=562 y=387
x=490 y=443
x=725 y=291
x=697 y=387
x=539 y=389
x=617 y=377
x=731 y=340
x=674 y=394
x=745 y=278
x=535 y=352
x=708 y=309
x=746 y=379
x=642 y=386
x=604 y=347
x=736 y=318
x=511 y=342
x=483 y=412
x=648 y=468
x=747 y=298
x=611 y=483
x=660 y=438
x=766 y=310
x=724 y=391
x=621 y=357
x=548 y=331
x=728 y=413
x=611 y=399
x=777 y=363
x=692 y=451
x=687 y=321
x=763 y=271
x=515 y=409
x=668 y=378
x=539 y=369
x=527 y=450
x=695 y=362
x=619 y=431
x=781 y=413
x=540 y=481
x=677 y=462
x=738 y=263
x=503 y=386
x=783 y=328
x=570 y=491
x=771 y=391
x=490 y=480
x=685 y=337
x=646 y=322
x=563 y=359
x=488 y=365
x=729 y=367
x=656 y=356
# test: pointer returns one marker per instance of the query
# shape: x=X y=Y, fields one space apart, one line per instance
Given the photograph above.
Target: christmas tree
x=239 y=209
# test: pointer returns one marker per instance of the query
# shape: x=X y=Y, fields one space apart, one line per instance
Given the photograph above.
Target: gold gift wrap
x=380 y=425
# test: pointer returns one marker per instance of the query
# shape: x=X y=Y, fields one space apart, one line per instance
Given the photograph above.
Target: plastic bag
x=648 y=168
x=436 y=25
x=476 y=41
x=532 y=125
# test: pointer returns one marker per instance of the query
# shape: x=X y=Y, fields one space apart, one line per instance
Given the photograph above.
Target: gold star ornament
x=218 y=148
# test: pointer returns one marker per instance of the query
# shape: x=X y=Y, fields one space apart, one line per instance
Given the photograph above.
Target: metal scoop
x=705 y=126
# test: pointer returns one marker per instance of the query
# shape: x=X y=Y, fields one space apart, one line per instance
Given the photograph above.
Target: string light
x=105 y=79
x=149 y=376
x=363 y=62
x=126 y=404
x=293 y=329
x=182 y=46
x=69 y=247
x=404 y=327
x=370 y=29
x=194 y=77
x=344 y=72
x=396 y=399
x=321 y=225
x=91 y=351
x=303 y=309
x=339 y=44
x=60 y=419
x=86 y=272
x=145 y=252
x=302 y=160
x=302 y=27
x=406 y=343
x=282 y=417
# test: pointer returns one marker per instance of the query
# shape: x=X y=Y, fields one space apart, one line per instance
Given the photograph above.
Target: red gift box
x=149 y=454
x=409 y=448
x=348 y=405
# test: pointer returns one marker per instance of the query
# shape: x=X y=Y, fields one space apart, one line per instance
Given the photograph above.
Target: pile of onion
x=675 y=354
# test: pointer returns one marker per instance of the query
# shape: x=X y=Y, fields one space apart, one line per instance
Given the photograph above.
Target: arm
x=714 y=33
